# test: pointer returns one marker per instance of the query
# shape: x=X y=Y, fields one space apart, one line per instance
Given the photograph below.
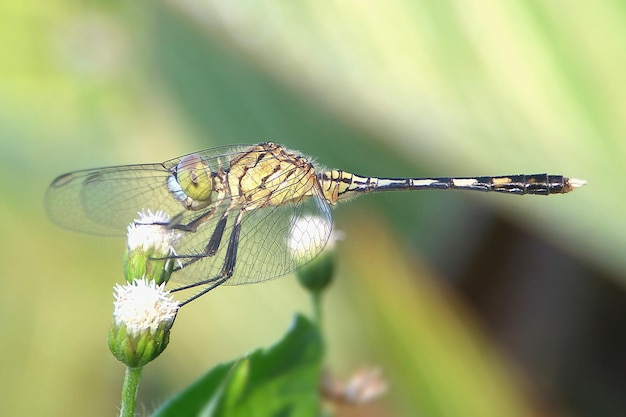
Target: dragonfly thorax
x=269 y=175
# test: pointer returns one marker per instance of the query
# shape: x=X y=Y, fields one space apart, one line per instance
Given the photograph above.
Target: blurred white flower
x=366 y=385
x=308 y=235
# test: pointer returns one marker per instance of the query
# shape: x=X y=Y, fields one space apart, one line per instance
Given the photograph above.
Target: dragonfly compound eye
x=194 y=177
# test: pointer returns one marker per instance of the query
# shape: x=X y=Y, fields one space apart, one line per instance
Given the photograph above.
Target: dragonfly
x=237 y=206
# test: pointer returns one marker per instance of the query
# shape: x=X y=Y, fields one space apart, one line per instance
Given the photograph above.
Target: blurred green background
x=472 y=304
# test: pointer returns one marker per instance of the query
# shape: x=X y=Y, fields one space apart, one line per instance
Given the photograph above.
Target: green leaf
x=278 y=381
x=193 y=400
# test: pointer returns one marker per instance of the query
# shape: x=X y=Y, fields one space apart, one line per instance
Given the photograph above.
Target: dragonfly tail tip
x=577 y=183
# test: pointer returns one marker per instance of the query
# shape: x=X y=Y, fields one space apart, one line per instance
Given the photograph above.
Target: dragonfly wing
x=267 y=237
x=106 y=200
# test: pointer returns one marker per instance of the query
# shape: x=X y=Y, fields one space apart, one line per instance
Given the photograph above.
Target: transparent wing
x=105 y=200
x=274 y=241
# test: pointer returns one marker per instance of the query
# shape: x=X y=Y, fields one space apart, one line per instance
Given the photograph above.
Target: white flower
x=143 y=306
x=151 y=231
x=308 y=235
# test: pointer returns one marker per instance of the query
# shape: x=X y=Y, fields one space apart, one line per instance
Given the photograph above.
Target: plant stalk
x=129 y=391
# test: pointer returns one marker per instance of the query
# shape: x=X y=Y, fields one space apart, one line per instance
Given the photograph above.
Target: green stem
x=129 y=391
x=316 y=298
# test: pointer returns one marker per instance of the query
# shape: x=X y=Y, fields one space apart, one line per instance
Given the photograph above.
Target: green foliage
x=278 y=381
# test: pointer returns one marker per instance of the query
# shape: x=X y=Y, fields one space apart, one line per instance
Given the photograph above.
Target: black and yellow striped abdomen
x=337 y=184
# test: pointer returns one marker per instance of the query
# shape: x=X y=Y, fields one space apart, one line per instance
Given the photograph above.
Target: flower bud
x=142 y=319
x=150 y=245
x=307 y=235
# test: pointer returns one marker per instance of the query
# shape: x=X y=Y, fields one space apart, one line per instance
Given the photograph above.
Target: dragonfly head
x=192 y=182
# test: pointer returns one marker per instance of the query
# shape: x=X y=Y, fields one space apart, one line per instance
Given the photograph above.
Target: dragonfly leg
x=216 y=236
x=210 y=249
x=192 y=226
x=227 y=269
x=215 y=284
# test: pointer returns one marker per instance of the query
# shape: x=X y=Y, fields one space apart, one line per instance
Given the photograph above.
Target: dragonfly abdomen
x=338 y=184
x=541 y=184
